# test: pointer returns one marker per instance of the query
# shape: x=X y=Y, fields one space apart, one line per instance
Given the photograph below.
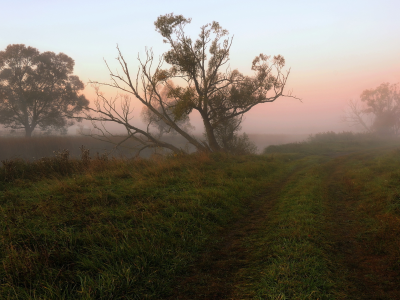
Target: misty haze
x=213 y=150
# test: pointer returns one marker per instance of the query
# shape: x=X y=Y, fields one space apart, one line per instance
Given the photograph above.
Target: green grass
x=332 y=143
x=289 y=255
x=378 y=201
x=119 y=229
x=131 y=229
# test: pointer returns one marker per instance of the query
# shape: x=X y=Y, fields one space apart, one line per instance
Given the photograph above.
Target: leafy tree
x=378 y=111
x=207 y=85
x=38 y=89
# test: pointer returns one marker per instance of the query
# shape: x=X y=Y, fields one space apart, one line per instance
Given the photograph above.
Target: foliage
x=221 y=97
x=38 y=89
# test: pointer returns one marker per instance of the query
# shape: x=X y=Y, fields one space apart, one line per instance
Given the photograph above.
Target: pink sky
x=335 y=49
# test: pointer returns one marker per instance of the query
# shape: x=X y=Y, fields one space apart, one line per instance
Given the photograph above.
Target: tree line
x=39 y=90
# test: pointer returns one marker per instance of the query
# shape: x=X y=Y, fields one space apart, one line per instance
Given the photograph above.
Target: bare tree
x=220 y=97
x=377 y=111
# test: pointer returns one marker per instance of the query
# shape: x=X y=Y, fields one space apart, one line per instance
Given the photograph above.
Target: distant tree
x=220 y=95
x=378 y=111
x=38 y=90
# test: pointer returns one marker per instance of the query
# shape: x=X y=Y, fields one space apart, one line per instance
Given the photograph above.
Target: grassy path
x=315 y=235
x=289 y=257
x=215 y=274
x=275 y=252
x=277 y=226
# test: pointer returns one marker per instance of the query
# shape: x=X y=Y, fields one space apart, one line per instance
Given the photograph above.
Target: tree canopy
x=38 y=89
x=203 y=82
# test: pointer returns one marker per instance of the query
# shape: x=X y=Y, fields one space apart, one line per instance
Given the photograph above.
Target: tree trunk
x=212 y=142
x=28 y=131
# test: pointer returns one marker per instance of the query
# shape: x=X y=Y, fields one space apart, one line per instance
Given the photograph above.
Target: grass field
x=312 y=220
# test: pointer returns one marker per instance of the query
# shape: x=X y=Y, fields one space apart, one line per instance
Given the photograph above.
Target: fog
x=37 y=147
x=333 y=53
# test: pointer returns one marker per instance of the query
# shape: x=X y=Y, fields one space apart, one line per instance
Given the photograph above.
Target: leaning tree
x=38 y=90
x=203 y=82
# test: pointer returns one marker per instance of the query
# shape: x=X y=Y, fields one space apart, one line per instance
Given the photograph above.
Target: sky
x=334 y=49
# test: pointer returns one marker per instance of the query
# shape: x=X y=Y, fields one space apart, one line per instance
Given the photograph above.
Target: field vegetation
x=318 y=219
x=36 y=147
